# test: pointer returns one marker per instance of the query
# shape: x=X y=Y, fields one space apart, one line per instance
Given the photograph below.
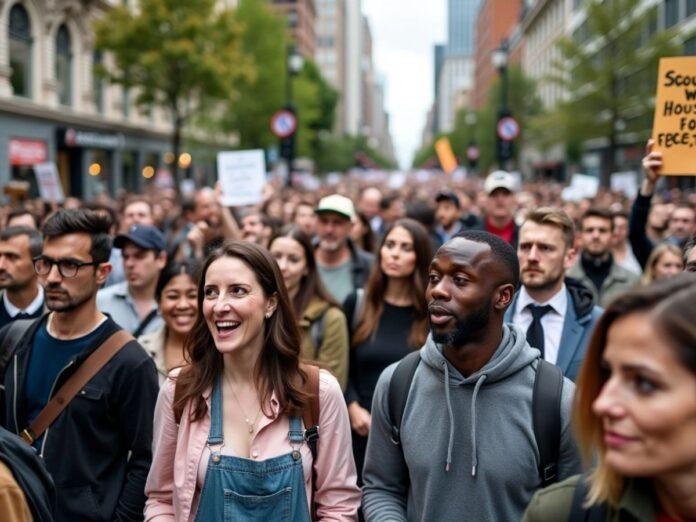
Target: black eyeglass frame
x=57 y=262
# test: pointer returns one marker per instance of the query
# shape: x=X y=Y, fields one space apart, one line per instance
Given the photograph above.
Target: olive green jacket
x=553 y=504
x=333 y=352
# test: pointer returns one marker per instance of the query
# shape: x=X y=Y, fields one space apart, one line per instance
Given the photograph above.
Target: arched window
x=20 y=51
x=64 y=66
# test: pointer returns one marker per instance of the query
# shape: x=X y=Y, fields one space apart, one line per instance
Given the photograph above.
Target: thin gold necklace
x=251 y=425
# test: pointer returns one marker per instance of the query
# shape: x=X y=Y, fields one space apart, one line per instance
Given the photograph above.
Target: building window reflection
x=20 y=51
x=64 y=66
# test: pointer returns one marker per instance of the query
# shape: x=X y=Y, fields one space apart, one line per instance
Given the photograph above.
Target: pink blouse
x=180 y=454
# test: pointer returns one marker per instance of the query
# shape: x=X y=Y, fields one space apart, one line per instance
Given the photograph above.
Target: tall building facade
x=455 y=75
x=301 y=19
x=353 y=90
x=331 y=50
x=495 y=22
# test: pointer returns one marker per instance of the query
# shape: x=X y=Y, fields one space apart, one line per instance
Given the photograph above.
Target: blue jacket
x=581 y=316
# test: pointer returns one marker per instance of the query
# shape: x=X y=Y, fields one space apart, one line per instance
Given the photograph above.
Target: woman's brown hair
x=310 y=285
x=277 y=369
x=671 y=305
x=377 y=285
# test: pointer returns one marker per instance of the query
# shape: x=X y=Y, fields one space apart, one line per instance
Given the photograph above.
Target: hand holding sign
x=674 y=128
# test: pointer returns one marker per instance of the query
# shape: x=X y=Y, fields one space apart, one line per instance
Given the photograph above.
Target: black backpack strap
x=145 y=322
x=316 y=332
x=546 y=416
x=13 y=334
x=399 y=387
x=579 y=513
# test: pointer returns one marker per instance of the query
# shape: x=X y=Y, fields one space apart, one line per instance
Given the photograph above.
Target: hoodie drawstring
x=451 y=418
x=474 y=448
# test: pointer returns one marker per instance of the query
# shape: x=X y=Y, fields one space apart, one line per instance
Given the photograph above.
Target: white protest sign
x=626 y=182
x=572 y=194
x=48 y=180
x=587 y=185
x=242 y=175
x=396 y=180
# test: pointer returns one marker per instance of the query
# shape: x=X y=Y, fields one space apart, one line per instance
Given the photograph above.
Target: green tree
x=257 y=98
x=608 y=68
x=315 y=101
x=181 y=55
x=341 y=153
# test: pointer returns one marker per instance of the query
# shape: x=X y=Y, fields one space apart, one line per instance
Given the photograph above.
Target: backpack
x=546 y=410
x=13 y=334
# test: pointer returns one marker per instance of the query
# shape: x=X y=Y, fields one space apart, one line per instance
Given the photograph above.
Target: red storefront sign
x=27 y=152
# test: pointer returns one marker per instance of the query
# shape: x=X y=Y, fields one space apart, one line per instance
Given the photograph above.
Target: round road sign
x=284 y=124
x=508 y=128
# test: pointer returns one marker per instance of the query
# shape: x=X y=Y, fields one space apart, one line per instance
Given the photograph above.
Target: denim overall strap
x=296 y=433
x=215 y=437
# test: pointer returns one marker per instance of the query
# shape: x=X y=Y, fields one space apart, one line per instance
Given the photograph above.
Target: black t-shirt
x=388 y=345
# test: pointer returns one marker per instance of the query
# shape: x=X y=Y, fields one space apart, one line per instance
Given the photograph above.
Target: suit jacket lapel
x=570 y=337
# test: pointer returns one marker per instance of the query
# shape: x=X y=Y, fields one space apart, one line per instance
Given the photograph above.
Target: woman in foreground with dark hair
x=321 y=320
x=387 y=321
x=635 y=413
x=228 y=437
x=176 y=294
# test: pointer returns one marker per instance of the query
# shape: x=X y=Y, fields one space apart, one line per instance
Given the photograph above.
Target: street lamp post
x=505 y=148
x=295 y=63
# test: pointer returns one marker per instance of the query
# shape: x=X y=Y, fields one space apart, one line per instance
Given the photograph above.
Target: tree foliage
x=608 y=69
x=179 y=55
x=258 y=97
x=341 y=153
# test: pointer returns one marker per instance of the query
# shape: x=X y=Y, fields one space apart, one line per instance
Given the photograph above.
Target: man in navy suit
x=558 y=313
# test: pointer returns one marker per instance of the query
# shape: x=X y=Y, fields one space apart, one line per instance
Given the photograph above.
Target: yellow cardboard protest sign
x=674 y=127
x=445 y=155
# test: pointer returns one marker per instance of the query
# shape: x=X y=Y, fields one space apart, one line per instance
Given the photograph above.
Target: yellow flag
x=445 y=155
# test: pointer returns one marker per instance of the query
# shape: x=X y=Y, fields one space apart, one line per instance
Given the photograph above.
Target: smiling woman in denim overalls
x=229 y=439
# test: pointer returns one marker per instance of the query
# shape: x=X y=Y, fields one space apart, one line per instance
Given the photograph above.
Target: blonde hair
x=649 y=274
x=554 y=217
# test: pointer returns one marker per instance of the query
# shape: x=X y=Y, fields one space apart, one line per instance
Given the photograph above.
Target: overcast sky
x=403 y=33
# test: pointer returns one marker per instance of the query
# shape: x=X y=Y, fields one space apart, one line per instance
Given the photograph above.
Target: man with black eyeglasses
x=98 y=447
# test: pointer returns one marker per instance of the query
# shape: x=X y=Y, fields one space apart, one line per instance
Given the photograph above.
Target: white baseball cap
x=338 y=204
x=500 y=179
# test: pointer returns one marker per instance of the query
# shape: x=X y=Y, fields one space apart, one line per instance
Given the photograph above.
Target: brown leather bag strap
x=310 y=418
x=88 y=369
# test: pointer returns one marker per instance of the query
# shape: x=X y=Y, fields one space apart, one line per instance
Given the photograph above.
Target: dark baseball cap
x=447 y=196
x=144 y=236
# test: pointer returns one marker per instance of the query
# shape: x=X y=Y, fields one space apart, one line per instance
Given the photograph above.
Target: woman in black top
x=387 y=321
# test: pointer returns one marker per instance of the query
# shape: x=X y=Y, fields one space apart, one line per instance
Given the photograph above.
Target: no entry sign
x=508 y=128
x=284 y=123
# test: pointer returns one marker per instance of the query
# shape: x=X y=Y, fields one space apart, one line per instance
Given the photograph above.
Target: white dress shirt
x=552 y=322
x=33 y=307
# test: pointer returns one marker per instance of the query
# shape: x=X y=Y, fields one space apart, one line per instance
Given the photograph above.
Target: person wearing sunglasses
x=98 y=448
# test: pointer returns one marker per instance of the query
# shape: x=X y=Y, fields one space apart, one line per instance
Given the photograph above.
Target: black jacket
x=98 y=450
x=30 y=474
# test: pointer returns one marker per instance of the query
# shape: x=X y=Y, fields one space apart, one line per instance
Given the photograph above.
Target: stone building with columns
x=53 y=107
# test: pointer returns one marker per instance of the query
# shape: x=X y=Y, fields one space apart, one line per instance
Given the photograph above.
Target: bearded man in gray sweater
x=467 y=446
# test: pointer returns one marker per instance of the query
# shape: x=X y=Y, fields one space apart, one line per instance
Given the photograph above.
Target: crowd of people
x=452 y=349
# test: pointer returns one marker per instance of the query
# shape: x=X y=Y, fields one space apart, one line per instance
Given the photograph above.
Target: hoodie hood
x=512 y=355
x=581 y=297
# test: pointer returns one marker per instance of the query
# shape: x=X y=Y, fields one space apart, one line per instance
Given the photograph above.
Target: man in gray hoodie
x=468 y=449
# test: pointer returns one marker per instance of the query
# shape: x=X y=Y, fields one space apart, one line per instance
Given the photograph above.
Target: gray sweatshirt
x=469 y=451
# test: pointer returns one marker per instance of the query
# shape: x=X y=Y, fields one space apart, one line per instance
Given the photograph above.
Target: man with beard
x=466 y=442
x=98 y=449
x=22 y=296
x=558 y=314
x=343 y=267
x=596 y=268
